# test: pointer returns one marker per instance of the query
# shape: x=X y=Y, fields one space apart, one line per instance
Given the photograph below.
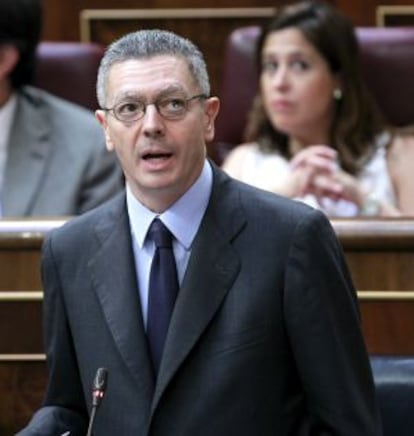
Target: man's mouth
x=154 y=156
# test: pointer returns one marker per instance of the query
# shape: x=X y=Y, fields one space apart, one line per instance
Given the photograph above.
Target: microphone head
x=100 y=380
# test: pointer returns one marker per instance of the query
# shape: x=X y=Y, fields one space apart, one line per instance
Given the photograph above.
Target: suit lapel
x=113 y=274
x=29 y=147
x=212 y=269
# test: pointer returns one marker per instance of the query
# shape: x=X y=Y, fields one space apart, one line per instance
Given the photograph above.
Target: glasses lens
x=172 y=108
x=129 y=111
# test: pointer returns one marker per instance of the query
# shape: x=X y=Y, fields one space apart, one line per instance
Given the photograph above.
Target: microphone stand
x=98 y=393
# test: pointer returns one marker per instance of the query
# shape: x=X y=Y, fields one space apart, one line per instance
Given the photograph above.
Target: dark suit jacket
x=57 y=162
x=264 y=339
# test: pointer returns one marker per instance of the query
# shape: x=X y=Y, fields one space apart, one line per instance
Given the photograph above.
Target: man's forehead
x=153 y=64
x=161 y=73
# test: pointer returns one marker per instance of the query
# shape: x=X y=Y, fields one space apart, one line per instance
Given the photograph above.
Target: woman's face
x=297 y=87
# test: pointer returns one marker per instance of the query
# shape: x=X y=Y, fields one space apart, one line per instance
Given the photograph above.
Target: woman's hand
x=315 y=171
x=311 y=163
x=338 y=185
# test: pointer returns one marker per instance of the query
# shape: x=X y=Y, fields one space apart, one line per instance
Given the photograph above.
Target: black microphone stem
x=91 y=420
x=98 y=392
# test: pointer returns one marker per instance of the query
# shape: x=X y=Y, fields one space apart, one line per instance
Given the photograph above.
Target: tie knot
x=160 y=234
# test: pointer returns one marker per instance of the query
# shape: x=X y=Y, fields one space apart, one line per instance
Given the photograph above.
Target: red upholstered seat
x=69 y=70
x=387 y=56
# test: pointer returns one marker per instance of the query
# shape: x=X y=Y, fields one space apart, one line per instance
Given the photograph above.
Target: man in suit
x=53 y=159
x=264 y=338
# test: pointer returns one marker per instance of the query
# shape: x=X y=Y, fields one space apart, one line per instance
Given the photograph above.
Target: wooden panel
x=21 y=327
x=207 y=28
x=388 y=325
x=20 y=265
x=23 y=372
x=380 y=255
x=389 y=16
x=20 y=242
x=22 y=385
x=61 y=17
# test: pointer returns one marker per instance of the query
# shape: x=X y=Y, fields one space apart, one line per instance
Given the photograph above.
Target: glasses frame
x=156 y=103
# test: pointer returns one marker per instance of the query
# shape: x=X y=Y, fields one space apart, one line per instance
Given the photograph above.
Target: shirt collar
x=183 y=218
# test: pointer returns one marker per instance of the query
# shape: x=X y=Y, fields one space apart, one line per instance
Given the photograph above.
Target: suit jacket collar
x=29 y=147
x=113 y=275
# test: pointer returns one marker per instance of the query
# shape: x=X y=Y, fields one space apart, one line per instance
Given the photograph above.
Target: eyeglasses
x=170 y=108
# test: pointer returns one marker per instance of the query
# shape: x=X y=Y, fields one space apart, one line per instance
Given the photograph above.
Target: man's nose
x=152 y=121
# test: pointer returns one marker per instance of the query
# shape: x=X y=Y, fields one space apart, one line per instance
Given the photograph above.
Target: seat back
x=394 y=383
x=387 y=57
x=69 y=70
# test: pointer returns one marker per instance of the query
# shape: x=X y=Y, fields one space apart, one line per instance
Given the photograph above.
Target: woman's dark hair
x=21 y=26
x=357 y=120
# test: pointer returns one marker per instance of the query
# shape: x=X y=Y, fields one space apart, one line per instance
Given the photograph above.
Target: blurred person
x=53 y=159
x=314 y=132
x=264 y=335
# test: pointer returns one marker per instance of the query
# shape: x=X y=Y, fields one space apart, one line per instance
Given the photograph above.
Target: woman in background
x=314 y=132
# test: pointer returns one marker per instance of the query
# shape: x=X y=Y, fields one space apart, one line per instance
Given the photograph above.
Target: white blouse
x=258 y=168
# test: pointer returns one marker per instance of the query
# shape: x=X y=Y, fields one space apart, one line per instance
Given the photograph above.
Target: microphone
x=98 y=392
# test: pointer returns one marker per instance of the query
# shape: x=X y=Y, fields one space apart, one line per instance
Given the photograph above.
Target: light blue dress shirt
x=183 y=219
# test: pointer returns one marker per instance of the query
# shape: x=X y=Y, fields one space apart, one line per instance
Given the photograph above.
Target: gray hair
x=146 y=44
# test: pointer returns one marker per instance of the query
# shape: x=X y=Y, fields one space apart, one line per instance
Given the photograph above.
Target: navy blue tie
x=163 y=289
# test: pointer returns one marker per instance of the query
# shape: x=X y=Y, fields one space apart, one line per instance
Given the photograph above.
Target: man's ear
x=212 y=109
x=9 y=56
x=101 y=117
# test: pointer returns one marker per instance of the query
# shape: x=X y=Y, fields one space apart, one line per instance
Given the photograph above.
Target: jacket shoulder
x=56 y=106
x=97 y=221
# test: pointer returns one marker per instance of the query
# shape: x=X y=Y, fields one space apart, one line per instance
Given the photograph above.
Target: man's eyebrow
x=137 y=95
x=129 y=95
x=171 y=90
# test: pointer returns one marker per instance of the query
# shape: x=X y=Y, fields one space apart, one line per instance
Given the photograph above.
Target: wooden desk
x=380 y=254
